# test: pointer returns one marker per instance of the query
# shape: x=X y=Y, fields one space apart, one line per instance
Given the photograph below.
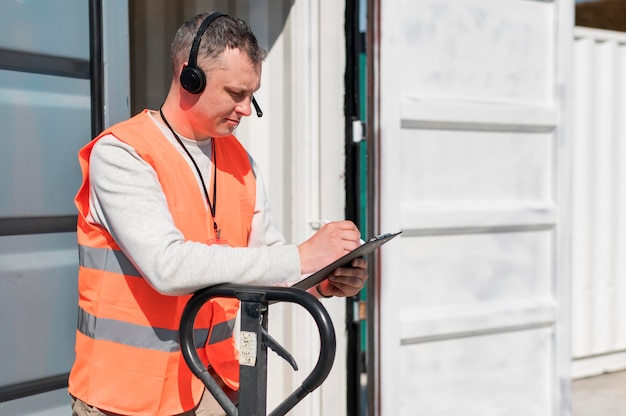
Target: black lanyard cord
x=212 y=206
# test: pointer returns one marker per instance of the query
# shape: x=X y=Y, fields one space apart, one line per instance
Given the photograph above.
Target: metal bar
x=37 y=225
x=96 y=70
x=353 y=203
x=372 y=42
x=253 y=373
x=43 y=64
x=30 y=388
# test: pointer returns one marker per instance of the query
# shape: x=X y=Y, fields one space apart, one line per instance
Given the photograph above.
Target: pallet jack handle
x=253 y=378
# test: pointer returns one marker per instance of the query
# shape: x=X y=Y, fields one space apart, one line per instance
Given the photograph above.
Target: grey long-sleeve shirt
x=127 y=200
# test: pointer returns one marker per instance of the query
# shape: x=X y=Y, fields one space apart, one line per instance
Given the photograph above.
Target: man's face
x=227 y=96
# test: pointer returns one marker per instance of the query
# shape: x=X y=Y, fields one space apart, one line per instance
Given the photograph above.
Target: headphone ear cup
x=192 y=79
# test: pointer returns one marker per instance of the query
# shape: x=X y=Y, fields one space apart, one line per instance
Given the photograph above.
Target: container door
x=472 y=157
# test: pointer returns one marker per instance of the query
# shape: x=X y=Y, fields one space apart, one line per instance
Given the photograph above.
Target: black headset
x=192 y=77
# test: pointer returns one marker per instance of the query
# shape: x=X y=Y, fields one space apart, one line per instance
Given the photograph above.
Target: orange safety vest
x=128 y=357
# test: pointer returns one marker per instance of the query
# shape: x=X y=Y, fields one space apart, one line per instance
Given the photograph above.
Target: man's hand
x=345 y=281
x=330 y=242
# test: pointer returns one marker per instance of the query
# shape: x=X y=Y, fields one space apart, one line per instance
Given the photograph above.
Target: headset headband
x=193 y=53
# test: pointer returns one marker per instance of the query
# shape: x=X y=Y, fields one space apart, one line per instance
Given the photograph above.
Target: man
x=172 y=203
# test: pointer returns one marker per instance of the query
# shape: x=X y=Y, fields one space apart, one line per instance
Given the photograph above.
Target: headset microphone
x=192 y=77
x=259 y=113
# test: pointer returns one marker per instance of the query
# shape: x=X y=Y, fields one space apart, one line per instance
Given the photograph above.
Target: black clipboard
x=363 y=250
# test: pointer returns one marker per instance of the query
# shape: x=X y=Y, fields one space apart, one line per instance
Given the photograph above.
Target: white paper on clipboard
x=363 y=250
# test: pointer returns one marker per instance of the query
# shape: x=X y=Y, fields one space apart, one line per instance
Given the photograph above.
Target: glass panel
x=58 y=28
x=37 y=305
x=46 y=120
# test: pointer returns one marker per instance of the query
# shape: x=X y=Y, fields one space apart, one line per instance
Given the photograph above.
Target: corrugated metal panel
x=599 y=202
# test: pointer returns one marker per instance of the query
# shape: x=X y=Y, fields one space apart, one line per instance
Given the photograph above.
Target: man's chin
x=224 y=132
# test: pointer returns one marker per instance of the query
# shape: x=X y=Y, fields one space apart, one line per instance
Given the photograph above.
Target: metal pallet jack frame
x=255 y=301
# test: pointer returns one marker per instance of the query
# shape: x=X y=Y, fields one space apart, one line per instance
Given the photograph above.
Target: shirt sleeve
x=126 y=199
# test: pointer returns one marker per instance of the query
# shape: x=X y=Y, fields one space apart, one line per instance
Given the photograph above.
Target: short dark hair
x=225 y=32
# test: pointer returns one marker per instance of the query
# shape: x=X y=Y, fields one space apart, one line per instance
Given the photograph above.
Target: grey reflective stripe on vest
x=140 y=336
x=107 y=260
x=161 y=339
x=222 y=331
